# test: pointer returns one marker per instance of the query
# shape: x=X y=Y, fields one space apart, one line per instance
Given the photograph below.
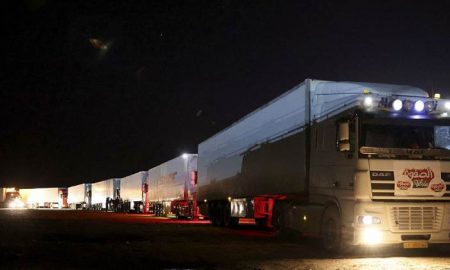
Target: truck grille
x=426 y=218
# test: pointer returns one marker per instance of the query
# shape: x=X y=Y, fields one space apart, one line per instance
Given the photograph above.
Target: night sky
x=166 y=75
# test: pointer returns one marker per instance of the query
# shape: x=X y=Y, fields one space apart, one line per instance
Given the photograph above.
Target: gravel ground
x=49 y=239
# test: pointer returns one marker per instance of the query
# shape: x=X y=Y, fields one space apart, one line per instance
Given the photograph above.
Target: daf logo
x=381 y=174
x=415 y=152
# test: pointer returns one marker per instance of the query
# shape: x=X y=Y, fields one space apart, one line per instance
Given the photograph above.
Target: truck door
x=332 y=168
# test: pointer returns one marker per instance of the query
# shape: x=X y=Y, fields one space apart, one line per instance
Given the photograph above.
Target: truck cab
x=401 y=179
x=13 y=200
x=355 y=163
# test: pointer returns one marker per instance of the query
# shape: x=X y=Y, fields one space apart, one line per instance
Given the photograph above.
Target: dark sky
x=176 y=72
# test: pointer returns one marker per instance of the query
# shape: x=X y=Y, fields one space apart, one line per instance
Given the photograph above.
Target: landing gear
x=220 y=215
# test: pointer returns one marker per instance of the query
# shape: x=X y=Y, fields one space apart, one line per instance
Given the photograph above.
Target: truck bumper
x=401 y=223
x=375 y=237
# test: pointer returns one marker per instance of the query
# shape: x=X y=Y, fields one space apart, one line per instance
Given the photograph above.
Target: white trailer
x=103 y=191
x=79 y=196
x=43 y=197
x=132 y=191
x=355 y=163
x=172 y=186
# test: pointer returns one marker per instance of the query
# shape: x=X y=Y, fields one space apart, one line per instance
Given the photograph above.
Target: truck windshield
x=407 y=134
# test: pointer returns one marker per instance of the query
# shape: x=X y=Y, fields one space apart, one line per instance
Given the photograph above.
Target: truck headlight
x=368 y=220
x=372 y=237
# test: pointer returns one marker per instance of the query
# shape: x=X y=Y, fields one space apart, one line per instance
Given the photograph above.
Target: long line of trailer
x=167 y=189
x=354 y=163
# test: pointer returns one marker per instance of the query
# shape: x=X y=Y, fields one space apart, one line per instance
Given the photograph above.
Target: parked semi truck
x=103 y=192
x=10 y=198
x=133 y=192
x=354 y=163
x=44 y=197
x=79 y=196
x=172 y=187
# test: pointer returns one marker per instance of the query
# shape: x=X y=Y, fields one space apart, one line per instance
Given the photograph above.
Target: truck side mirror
x=343 y=137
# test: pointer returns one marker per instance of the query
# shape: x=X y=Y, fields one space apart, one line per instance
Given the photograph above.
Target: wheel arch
x=331 y=202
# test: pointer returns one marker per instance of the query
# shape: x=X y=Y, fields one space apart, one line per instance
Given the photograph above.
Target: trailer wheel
x=331 y=229
x=278 y=221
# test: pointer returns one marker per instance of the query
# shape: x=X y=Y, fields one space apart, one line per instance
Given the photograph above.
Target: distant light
x=98 y=44
x=397 y=105
x=437 y=96
x=419 y=106
x=229 y=199
x=16 y=203
x=185 y=156
x=368 y=102
x=304 y=218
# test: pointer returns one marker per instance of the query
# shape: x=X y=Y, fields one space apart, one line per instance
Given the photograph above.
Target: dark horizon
x=101 y=89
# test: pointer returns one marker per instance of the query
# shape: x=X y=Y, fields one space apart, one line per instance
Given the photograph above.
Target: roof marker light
x=397 y=105
x=368 y=102
x=419 y=106
x=437 y=96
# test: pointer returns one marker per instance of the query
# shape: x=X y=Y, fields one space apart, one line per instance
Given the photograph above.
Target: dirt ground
x=49 y=239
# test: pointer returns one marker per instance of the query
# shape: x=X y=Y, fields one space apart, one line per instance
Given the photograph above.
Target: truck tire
x=331 y=229
x=278 y=216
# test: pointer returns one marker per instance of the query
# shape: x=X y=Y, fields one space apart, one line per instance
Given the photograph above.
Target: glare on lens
x=419 y=106
x=397 y=105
